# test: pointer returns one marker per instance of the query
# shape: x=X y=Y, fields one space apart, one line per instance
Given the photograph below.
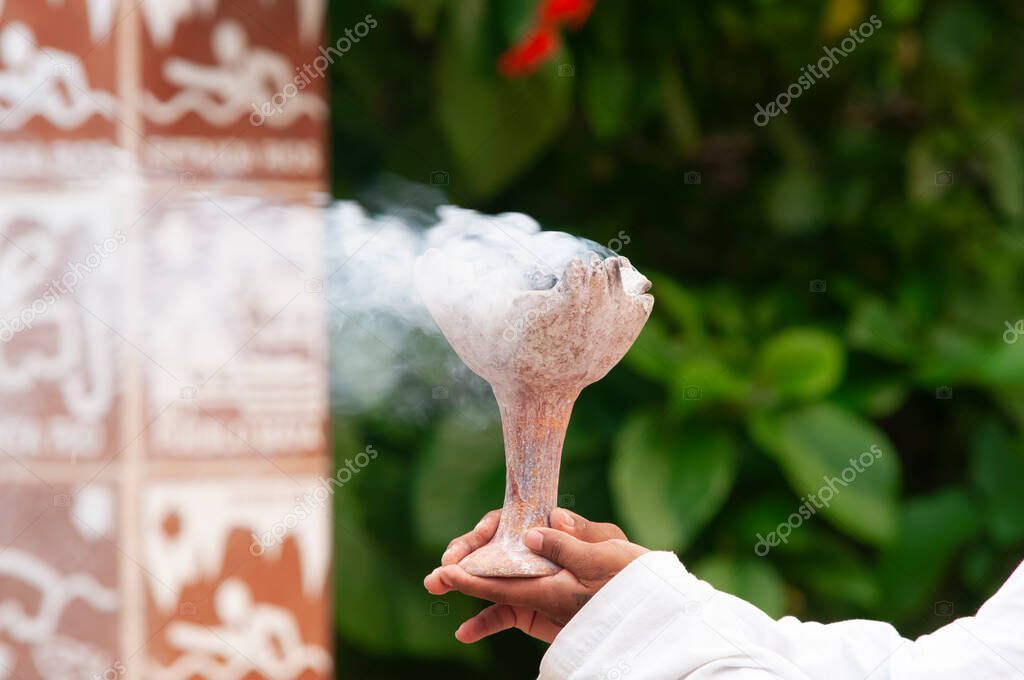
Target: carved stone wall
x=164 y=511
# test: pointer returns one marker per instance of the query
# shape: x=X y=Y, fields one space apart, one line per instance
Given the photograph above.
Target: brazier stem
x=533 y=422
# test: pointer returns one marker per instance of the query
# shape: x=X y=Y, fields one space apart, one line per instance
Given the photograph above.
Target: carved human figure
x=225 y=92
x=45 y=82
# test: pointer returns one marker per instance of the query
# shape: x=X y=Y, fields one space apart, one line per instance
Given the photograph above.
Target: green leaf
x=753 y=580
x=423 y=14
x=957 y=35
x=514 y=17
x=801 y=363
x=901 y=11
x=459 y=478
x=996 y=472
x=359 y=587
x=924 y=165
x=1002 y=366
x=703 y=379
x=679 y=304
x=950 y=354
x=931 y=529
x=875 y=396
x=1005 y=166
x=495 y=127
x=848 y=464
x=795 y=202
x=878 y=328
x=606 y=95
x=834 y=572
x=381 y=605
x=679 y=115
x=655 y=352
x=668 y=483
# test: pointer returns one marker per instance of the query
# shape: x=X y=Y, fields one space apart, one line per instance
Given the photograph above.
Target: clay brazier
x=538 y=349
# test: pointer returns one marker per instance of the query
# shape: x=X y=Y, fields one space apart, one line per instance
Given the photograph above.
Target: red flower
x=573 y=12
x=541 y=43
x=527 y=56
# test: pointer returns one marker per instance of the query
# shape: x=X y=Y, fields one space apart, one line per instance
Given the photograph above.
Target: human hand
x=591 y=553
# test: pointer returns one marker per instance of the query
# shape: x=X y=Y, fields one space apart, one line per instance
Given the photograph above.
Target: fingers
x=525 y=592
x=481 y=534
x=562 y=519
x=499 y=617
x=582 y=528
x=586 y=561
x=436 y=584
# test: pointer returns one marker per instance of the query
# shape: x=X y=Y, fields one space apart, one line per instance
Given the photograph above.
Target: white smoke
x=386 y=349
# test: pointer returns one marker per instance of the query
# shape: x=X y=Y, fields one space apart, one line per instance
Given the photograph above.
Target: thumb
x=582 y=528
x=584 y=560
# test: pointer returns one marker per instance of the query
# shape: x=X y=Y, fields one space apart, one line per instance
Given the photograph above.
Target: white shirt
x=656 y=621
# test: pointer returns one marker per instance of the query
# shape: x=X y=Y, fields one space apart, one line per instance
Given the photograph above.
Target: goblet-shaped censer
x=538 y=349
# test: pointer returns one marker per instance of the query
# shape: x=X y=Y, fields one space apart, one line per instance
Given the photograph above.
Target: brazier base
x=507 y=559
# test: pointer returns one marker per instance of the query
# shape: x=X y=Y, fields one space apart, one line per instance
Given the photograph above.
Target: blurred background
x=843 y=276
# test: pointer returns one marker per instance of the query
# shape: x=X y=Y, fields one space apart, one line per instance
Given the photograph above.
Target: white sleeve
x=656 y=621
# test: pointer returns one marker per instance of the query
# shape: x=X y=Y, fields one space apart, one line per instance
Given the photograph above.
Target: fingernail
x=534 y=540
x=564 y=517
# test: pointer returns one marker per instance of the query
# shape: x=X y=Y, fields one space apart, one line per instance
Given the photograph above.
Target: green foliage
x=459 y=476
x=751 y=579
x=837 y=280
x=668 y=482
x=931 y=529
x=493 y=127
x=822 y=446
x=801 y=363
